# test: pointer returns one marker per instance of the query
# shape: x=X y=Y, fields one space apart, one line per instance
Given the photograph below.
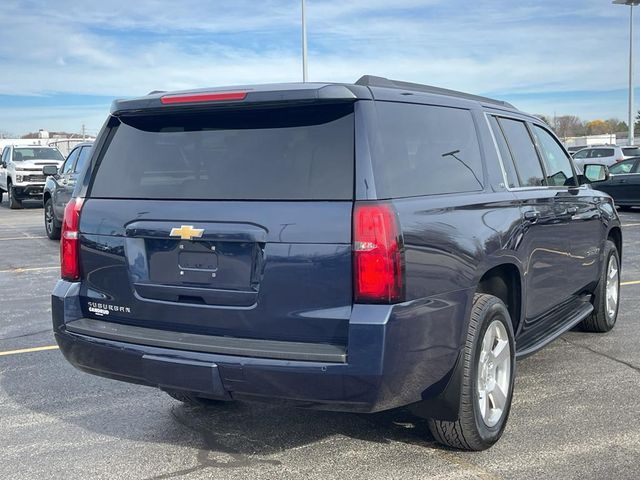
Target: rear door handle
x=532 y=215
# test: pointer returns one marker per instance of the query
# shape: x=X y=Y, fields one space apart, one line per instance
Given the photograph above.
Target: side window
x=426 y=150
x=556 y=162
x=68 y=165
x=505 y=154
x=601 y=152
x=5 y=154
x=581 y=154
x=523 y=151
x=623 y=167
x=82 y=159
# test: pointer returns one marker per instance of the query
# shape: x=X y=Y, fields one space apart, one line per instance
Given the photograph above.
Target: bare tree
x=569 y=126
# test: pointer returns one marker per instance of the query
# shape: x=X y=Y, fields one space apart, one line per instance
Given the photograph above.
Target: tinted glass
x=36 y=153
x=425 y=150
x=581 y=154
x=507 y=159
x=295 y=153
x=556 y=162
x=523 y=151
x=85 y=153
x=631 y=151
x=68 y=165
x=622 y=167
x=601 y=152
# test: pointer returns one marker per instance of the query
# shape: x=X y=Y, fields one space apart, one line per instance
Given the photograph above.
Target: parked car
x=602 y=155
x=574 y=149
x=21 y=174
x=354 y=247
x=59 y=186
x=623 y=184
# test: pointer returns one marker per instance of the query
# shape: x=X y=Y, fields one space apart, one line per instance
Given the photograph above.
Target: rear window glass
x=425 y=150
x=631 y=151
x=293 y=153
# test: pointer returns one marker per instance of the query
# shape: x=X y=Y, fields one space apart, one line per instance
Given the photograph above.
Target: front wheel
x=488 y=363
x=14 y=203
x=607 y=295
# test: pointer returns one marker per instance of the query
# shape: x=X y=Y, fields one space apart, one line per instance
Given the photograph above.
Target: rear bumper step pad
x=245 y=347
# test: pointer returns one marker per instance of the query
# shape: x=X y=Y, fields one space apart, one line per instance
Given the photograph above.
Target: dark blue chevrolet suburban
x=351 y=247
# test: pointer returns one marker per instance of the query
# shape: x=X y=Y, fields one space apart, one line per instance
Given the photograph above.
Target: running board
x=532 y=341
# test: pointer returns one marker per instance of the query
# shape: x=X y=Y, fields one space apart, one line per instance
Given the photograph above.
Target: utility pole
x=631 y=4
x=83 y=133
x=631 y=102
x=305 y=73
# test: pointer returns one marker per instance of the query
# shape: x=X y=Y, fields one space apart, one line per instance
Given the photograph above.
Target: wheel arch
x=505 y=282
x=615 y=235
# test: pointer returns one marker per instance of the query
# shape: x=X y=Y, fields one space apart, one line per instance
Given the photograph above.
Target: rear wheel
x=487 y=379
x=51 y=226
x=607 y=294
x=190 y=399
x=14 y=203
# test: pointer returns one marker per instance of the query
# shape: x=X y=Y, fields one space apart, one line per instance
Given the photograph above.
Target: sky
x=62 y=62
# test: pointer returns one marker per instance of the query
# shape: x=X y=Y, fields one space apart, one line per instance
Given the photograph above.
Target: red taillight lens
x=69 y=250
x=203 y=97
x=377 y=254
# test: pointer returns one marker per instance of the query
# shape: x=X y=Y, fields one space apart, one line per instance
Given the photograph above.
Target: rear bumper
x=397 y=355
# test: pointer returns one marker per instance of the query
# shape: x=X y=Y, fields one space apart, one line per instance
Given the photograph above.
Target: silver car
x=604 y=155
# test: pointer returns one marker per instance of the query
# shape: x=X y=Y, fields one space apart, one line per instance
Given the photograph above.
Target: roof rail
x=154 y=92
x=373 y=81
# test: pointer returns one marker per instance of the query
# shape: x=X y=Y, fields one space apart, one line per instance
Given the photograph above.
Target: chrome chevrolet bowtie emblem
x=186 y=232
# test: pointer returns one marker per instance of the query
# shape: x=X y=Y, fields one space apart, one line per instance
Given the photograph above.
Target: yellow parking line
x=633 y=282
x=28 y=350
x=631 y=224
x=34 y=269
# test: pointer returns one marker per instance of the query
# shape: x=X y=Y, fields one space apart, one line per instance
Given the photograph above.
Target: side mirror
x=594 y=172
x=3 y=164
x=50 y=170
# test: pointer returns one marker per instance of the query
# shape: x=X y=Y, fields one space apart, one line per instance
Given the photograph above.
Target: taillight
x=377 y=254
x=69 y=249
x=203 y=97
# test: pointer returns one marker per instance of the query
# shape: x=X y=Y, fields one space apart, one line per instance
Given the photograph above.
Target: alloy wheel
x=494 y=373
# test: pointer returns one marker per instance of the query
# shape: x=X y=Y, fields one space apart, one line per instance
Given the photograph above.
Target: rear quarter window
x=284 y=153
x=425 y=150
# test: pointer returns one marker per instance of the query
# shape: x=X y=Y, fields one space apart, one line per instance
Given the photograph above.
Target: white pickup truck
x=21 y=173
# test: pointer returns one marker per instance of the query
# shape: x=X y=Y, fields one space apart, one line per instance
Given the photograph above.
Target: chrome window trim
x=505 y=182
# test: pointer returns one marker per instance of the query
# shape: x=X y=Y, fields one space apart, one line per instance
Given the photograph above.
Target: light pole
x=305 y=73
x=631 y=3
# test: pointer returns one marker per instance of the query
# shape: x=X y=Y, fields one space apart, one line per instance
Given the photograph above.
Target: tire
x=193 y=400
x=14 y=203
x=605 y=308
x=51 y=225
x=473 y=430
x=625 y=208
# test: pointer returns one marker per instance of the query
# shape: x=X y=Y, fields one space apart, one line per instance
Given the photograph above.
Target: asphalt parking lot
x=576 y=411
